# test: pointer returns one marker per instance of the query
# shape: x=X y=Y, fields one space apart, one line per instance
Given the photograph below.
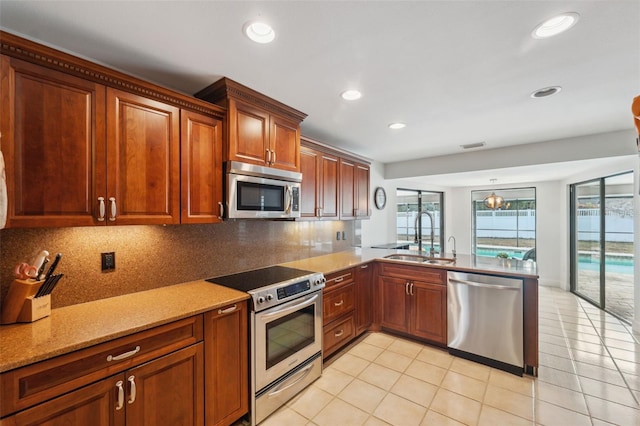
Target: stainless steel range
x=286 y=333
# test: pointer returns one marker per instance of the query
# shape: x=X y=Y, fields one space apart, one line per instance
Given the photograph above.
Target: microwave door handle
x=286 y=309
x=289 y=193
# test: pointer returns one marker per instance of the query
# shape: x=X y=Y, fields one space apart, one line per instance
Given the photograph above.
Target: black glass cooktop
x=258 y=278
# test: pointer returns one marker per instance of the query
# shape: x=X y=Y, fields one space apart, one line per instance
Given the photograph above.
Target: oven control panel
x=273 y=295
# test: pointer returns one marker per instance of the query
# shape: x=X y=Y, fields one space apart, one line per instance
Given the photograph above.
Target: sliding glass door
x=602 y=243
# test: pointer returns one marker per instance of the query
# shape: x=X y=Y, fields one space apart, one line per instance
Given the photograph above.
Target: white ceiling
x=456 y=72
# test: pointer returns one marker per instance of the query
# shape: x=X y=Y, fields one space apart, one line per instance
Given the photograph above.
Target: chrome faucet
x=419 y=240
x=454 y=245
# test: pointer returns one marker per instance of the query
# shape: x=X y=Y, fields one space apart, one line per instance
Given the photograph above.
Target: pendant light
x=493 y=201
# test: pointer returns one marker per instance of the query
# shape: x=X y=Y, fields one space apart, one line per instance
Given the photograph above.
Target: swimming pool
x=616 y=264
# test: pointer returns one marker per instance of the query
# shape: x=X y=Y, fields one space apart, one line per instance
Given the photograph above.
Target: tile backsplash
x=155 y=256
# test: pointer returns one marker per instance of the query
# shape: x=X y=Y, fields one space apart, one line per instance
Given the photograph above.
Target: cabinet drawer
x=338 y=333
x=26 y=386
x=428 y=275
x=337 y=302
x=340 y=277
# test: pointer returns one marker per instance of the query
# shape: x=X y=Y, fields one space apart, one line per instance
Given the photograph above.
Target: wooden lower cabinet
x=364 y=297
x=227 y=364
x=168 y=390
x=412 y=306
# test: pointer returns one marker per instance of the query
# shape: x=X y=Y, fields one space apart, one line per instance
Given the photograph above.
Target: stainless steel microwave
x=257 y=192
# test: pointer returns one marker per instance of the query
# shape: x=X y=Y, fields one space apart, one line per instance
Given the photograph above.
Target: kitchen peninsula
x=181 y=316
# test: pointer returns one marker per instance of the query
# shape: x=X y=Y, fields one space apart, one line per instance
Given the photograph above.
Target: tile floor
x=589 y=375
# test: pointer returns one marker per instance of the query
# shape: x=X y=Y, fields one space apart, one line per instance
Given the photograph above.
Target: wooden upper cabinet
x=201 y=168
x=361 y=191
x=319 y=184
x=53 y=140
x=347 y=189
x=143 y=160
x=248 y=134
x=80 y=151
x=262 y=130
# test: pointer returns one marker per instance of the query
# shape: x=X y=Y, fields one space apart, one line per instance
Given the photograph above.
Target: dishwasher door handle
x=483 y=285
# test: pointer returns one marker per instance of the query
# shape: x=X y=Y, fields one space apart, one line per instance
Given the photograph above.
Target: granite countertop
x=79 y=326
x=466 y=263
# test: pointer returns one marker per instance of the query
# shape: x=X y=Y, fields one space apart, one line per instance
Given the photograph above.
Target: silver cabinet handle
x=406 y=288
x=229 y=309
x=340 y=303
x=268 y=156
x=221 y=209
x=274 y=157
x=120 y=387
x=132 y=387
x=112 y=201
x=124 y=355
x=101 y=208
x=339 y=279
x=364 y=266
x=338 y=333
x=411 y=289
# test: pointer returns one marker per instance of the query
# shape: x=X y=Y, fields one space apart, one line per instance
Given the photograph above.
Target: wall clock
x=380 y=198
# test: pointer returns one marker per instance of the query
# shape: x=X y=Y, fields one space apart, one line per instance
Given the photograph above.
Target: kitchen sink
x=421 y=259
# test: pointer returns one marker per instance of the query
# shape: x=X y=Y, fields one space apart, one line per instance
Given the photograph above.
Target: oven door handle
x=302 y=374
x=286 y=309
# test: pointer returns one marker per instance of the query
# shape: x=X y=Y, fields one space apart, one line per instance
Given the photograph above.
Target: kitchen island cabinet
x=414 y=301
x=338 y=306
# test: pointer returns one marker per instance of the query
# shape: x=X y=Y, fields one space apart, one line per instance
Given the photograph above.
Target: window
x=414 y=208
x=510 y=230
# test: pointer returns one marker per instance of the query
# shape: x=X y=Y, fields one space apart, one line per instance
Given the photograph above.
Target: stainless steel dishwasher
x=485 y=320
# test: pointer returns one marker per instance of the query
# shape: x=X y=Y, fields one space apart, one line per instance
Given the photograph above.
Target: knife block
x=20 y=304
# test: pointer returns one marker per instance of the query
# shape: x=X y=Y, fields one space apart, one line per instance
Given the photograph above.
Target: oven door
x=286 y=336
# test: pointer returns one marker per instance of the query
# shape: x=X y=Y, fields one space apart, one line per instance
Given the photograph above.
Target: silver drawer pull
x=124 y=355
x=340 y=303
x=120 y=387
x=229 y=309
x=364 y=266
x=338 y=333
x=132 y=394
x=339 y=279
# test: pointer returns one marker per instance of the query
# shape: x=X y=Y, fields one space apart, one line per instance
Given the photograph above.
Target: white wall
x=380 y=228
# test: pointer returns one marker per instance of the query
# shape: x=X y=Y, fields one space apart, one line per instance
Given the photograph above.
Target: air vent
x=473 y=145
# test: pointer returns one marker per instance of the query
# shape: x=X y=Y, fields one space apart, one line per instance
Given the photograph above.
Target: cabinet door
x=310 y=169
x=91 y=405
x=347 y=189
x=227 y=364
x=248 y=134
x=328 y=190
x=201 y=168
x=53 y=141
x=284 y=144
x=362 y=191
x=429 y=311
x=143 y=160
x=168 y=390
x=364 y=297
x=394 y=303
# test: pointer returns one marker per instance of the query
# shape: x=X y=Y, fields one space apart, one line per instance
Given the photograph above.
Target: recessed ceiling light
x=547 y=91
x=259 y=32
x=351 y=95
x=556 y=25
x=396 y=126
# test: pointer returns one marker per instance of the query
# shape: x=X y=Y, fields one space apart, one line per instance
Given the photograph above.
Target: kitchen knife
x=38 y=261
x=53 y=267
x=41 y=270
x=51 y=284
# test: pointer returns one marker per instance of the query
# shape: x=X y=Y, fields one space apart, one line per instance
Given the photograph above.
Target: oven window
x=289 y=334
x=260 y=197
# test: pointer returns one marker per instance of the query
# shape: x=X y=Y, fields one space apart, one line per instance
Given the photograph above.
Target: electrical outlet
x=343 y=236
x=108 y=261
x=338 y=236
